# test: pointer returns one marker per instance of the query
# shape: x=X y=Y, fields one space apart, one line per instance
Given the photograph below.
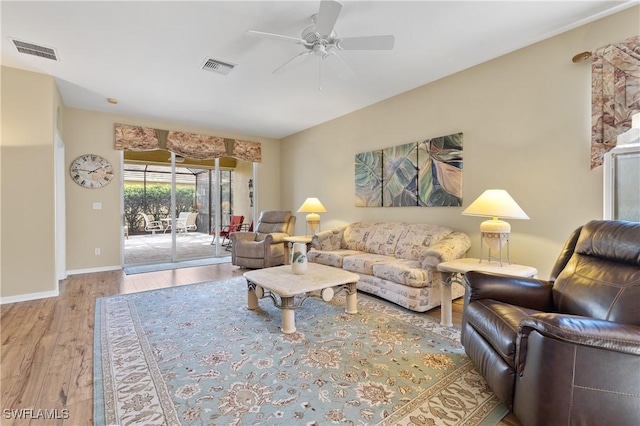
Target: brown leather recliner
x=264 y=247
x=565 y=351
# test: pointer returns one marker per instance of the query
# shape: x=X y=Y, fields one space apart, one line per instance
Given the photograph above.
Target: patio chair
x=185 y=221
x=151 y=225
x=235 y=225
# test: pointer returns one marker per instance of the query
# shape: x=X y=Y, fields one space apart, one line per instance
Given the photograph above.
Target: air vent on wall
x=35 y=50
x=215 y=65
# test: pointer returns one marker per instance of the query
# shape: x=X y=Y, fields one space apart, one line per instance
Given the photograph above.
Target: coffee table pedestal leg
x=352 y=301
x=288 y=315
x=252 y=299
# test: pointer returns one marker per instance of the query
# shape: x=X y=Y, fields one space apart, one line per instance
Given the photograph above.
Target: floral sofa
x=395 y=261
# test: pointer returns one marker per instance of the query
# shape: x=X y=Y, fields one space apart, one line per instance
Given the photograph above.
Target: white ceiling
x=148 y=55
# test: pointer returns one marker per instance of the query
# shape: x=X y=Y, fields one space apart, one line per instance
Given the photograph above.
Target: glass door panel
x=147 y=200
x=193 y=235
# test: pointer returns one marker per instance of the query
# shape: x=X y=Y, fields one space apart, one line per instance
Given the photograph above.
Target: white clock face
x=91 y=171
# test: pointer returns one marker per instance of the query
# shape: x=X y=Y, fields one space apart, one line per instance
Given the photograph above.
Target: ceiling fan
x=320 y=40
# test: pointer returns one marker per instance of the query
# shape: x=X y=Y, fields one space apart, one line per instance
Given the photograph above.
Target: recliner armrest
x=583 y=331
x=520 y=291
x=275 y=237
x=242 y=236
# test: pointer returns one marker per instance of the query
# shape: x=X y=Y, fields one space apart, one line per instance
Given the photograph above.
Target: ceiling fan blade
x=278 y=37
x=327 y=16
x=380 y=42
x=279 y=70
x=339 y=66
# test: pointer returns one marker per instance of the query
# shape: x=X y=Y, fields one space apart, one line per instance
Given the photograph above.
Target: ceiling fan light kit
x=319 y=39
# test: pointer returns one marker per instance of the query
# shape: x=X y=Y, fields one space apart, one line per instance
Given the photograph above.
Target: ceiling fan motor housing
x=312 y=36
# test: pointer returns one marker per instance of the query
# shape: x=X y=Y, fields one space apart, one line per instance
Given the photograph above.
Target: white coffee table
x=280 y=282
x=454 y=270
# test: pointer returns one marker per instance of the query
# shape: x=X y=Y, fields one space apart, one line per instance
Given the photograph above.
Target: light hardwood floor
x=46 y=356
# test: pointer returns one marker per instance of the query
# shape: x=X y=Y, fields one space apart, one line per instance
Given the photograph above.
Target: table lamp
x=495 y=203
x=313 y=206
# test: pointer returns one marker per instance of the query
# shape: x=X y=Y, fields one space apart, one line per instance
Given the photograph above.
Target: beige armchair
x=264 y=247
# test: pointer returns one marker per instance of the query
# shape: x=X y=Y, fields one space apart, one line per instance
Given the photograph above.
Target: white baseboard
x=29 y=296
x=92 y=270
x=54 y=293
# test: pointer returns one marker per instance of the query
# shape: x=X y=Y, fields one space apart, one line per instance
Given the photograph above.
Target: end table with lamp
x=493 y=203
x=454 y=270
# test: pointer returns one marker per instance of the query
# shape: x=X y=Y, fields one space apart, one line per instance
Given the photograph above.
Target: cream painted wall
x=241 y=203
x=526 y=123
x=30 y=105
x=87 y=229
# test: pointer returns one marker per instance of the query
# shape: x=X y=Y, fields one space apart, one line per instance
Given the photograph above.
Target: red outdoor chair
x=235 y=224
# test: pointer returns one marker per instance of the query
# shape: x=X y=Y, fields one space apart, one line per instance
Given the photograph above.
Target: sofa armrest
x=453 y=246
x=520 y=291
x=584 y=331
x=328 y=240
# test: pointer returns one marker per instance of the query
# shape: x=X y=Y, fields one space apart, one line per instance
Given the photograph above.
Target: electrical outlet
x=97 y=251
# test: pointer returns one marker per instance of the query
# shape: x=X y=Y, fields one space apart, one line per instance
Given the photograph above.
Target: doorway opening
x=201 y=196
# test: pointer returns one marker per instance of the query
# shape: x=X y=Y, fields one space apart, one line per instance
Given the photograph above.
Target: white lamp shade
x=312 y=205
x=495 y=203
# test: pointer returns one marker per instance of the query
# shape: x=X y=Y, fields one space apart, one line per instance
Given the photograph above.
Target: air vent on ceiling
x=215 y=65
x=35 y=50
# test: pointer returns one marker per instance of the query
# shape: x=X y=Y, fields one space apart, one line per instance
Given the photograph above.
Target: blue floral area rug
x=195 y=355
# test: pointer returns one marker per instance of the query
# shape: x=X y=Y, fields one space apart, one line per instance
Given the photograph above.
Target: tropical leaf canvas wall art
x=368 y=172
x=440 y=174
x=426 y=173
x=400 y=175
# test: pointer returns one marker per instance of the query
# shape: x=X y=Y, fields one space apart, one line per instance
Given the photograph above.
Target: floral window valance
x=136 y=138
x=189 y=145
x=198 y=147
x=615 y=94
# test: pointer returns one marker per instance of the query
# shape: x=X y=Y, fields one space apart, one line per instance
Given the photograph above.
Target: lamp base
x=494 y=241
x=495 y=234
x=313 y=222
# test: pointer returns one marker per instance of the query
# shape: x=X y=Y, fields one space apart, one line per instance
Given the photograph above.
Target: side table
x=288 y=244
x=454 y=270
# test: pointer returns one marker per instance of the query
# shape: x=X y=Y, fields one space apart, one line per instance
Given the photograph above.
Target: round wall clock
x=91 y=171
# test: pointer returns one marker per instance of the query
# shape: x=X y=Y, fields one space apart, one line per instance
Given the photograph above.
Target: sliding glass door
x=170 y=211
x=173 y=206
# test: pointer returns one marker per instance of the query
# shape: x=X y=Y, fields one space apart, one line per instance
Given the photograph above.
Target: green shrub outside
x=157 y=203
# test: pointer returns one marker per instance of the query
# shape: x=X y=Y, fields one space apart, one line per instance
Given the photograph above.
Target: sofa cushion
x=417 y=238
x=407 y=272
x=330 y=257
x=384 y=238
x=363 y=263
x=356 y=235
